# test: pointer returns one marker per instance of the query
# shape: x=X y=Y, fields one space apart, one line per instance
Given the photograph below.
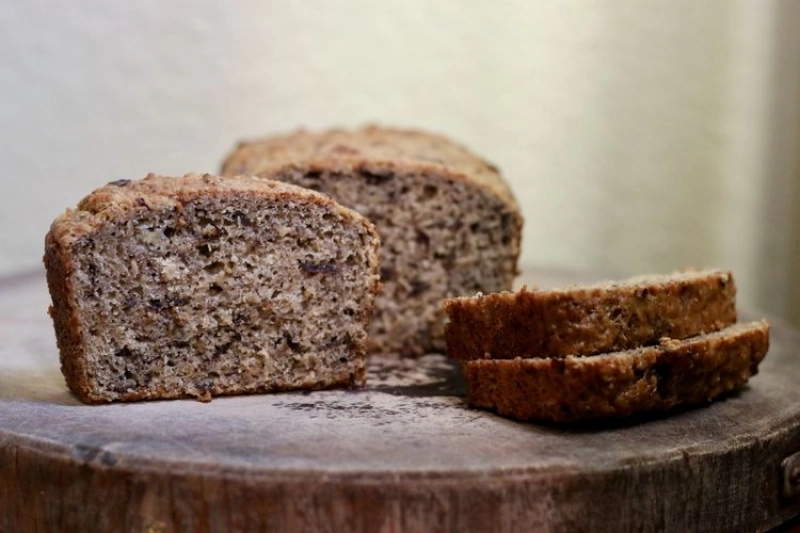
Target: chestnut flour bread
x=449 y=224
x=654 y=378
x=591 y=319
x=201 y=285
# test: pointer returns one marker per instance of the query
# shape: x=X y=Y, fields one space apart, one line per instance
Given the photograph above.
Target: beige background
x=638 y=135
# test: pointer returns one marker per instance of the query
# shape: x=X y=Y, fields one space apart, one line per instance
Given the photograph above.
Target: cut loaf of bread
x=592 y=319
x=448 y=223
x=200 y=286
x=649 y=379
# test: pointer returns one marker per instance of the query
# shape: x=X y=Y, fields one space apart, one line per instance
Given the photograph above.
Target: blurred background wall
x=639 y=136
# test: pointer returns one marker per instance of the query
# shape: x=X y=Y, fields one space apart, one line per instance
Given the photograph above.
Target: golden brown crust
x=589 y=320
x=400 y=150
x=115 y=202
x=59 y=268
x=153 y=192
x=656 y=378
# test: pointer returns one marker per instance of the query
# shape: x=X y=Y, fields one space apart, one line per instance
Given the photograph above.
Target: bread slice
x=593 y=319
x=201 y=285
x=655 y=378
x=449 y=224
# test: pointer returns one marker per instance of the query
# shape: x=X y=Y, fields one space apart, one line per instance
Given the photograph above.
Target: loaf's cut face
x=449 y=224
x=592 y=319
x=201 y=286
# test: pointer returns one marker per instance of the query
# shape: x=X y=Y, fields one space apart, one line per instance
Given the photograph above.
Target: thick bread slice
x=592 y=319
x=448 y=222
x=656 y=378
x=201 y=286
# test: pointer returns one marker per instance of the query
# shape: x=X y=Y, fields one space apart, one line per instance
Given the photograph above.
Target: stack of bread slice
x=643 y=345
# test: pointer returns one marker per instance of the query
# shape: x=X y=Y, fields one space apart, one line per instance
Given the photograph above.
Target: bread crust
x=369 y=148
x=590 y=319
x=114 y=203
x=656 y=378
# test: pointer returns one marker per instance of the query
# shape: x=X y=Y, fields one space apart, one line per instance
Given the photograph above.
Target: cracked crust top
x=402 y=150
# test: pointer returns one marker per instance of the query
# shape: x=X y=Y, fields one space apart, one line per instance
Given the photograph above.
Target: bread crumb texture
x=448 y=222
x=198 y=286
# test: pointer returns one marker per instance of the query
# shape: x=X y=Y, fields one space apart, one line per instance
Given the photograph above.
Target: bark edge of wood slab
x=405 y=454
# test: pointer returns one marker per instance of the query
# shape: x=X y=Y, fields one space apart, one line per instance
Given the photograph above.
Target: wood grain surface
x=404 y=454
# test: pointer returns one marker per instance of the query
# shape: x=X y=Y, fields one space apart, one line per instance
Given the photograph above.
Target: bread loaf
x=449 y=224
x=587 y=320
x=649 y=379
x=202 y=286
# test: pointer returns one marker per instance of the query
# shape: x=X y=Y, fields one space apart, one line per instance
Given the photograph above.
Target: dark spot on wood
x=325 y=267
x=169 y=232
x=119 y=183
x=86 y=453
x=108 y=459
x=343 y=360
x=429 y=191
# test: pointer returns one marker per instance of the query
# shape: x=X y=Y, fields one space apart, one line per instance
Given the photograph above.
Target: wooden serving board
x=403 y=455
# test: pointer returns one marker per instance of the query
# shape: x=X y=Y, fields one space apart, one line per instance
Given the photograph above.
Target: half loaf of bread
x=591 y=319
x=649 y=379
x=201 y=285
x=448 y=223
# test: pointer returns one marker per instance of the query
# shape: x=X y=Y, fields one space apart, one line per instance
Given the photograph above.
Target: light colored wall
x=638 y=135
